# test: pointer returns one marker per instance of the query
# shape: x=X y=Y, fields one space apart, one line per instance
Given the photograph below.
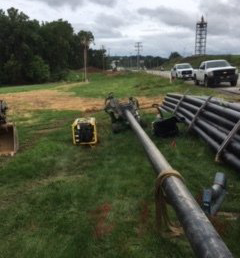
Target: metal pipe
x=202 y=236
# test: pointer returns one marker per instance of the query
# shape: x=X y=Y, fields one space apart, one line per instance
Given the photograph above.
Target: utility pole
x=85 y=61
x=130 y=60
x=138 y=47
x=103 y=51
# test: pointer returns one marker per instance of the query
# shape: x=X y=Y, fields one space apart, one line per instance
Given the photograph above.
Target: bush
x=12 y=71
x=37 y=71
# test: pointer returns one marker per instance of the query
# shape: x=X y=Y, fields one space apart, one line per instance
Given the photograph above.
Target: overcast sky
x=161 y=26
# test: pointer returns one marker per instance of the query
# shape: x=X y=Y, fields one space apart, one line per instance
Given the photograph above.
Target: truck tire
x=207 y=83
x=196 y=82
x=233 y=83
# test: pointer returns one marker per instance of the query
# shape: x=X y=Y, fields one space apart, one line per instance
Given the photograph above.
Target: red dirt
x=143 y=218
x=100 y=216
x=91 y=69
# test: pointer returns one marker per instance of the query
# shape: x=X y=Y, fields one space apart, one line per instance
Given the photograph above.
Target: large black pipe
x=203 y=238
x=221 y=121
x=227 y=112
x=207 y=114
x=223 y=129
x=234 y=106
x=211 y=130
x=217 y=135
x=226 y=155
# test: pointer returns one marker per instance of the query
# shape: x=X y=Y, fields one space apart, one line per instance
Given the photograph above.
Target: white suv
x=182 y=71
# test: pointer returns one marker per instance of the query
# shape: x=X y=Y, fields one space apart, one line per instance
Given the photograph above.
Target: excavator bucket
x=8 y=139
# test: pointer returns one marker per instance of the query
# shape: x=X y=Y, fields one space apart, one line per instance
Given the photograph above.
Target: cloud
x=100 y=29
x=169 y=16
x=168 y=42
x=223 y=17
x=109 y=3
x=112 y=21
x=56 y=3
x=76 y=3
x=106 y=33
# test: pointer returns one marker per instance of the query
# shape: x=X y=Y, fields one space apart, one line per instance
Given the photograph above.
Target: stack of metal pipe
x=214 y=123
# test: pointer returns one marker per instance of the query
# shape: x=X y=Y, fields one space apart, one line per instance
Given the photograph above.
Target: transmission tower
x=138 y=47
x=201 y=37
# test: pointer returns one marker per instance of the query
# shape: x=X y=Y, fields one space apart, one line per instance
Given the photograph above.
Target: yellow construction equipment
x=84 y=131
x=8 y=133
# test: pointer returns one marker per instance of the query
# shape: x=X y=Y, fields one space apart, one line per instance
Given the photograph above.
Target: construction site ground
x=59 y=200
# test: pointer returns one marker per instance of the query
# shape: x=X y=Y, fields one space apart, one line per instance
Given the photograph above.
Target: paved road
x=224 y=87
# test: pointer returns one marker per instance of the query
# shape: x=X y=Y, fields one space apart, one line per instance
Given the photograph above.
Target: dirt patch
x=91 y=69
x=56 y=100
x=146 y=102
x=50 y=99
x=99 y=217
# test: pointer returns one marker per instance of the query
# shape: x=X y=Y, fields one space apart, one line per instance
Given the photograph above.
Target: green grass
x=134 y=84
x=123 y=85
x=25 y=88
x=58 y=200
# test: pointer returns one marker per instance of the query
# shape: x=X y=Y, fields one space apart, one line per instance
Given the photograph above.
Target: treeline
x=33 y=52
x=144 y=61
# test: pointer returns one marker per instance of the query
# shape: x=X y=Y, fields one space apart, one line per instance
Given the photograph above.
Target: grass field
x=58 y=200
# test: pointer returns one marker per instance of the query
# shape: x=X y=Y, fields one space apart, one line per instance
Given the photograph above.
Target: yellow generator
x=84 y=131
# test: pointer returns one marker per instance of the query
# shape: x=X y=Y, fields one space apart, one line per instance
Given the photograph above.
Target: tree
x=86 y=38
x=12 y=71
x=37 y=70
x=56 y=48
x=174 y=55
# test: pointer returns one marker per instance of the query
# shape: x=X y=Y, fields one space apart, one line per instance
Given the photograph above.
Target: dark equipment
x=8 y=133
x=3 y=112
x=214 y=196
x=115 y=109
x=204 y=239
x=165 y=127
x=84 y=131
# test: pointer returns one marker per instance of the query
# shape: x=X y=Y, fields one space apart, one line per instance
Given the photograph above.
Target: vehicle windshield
x=217 y=64
x=185 y=66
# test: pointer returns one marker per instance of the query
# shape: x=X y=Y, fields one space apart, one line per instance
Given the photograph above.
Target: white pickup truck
x=211 y=73
x=182 y=71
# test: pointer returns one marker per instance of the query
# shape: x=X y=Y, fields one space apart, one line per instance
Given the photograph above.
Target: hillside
x=196 y=60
